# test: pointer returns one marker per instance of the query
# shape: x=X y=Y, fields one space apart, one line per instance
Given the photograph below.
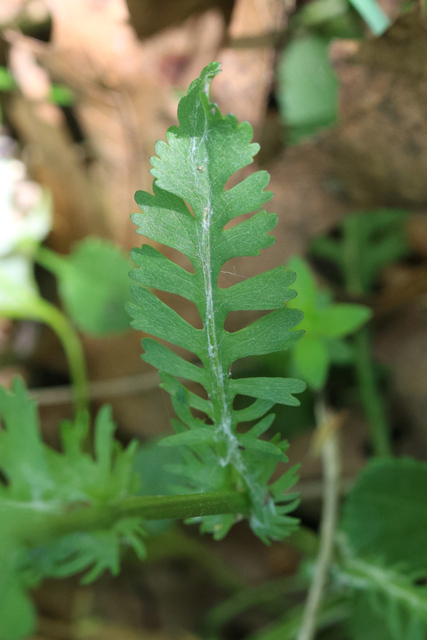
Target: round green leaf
x=94 y=286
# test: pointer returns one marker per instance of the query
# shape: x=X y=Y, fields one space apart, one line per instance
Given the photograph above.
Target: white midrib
x=200 y=164
x=213 y=349
x=233 y=455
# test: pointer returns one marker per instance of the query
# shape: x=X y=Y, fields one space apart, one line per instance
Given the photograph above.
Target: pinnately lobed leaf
x=188 y=211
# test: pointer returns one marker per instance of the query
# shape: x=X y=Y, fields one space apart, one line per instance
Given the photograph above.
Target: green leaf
x=279 y=390
x=307 y=290
x=154 y=316
x=267 y=335
x=308 y=87
x=166 y=360
x=42 y=481
x=254 y=411
x=385 y=514
x=340 y=320
x=155 y=270
x=323 y=321
x=94 y=286
x=311 y=359
x=268 y=290
x=370 y=241
x=200 y=435
x=188 y=212
x=165 y=219
x=366 y=623
x=17 y=612
x=393 y=595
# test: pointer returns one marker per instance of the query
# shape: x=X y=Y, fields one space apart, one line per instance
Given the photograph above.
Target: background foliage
x=334 y=92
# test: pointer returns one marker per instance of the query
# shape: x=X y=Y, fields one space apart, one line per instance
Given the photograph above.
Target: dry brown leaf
x=244 y=86
x=148 y=20
x=380 y=144
x=125 y=90
x=308 y=197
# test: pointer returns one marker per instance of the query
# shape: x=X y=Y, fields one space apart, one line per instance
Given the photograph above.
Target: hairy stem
x=331 y=471
x=92 y=518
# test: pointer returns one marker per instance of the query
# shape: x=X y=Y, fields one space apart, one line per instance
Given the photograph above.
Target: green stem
x=194 y=505
x=371 y=399
x=56 y=263
x=72 y=346
x=27 y=304
x=364 y=365
x=50 y=260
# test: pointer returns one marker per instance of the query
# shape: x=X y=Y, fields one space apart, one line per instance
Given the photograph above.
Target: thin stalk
x=56 y=263
x=27 y=304
x=53 y=525
x=331 y=474
x=368 y=389
x=72 y=346
x=371 y=399
x=50 y=260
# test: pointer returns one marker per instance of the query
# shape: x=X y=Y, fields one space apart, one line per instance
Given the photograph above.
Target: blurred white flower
x=17 y=285
x=25 y=211
x=25 y=219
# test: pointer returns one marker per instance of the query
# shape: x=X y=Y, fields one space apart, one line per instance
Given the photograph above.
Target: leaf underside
x=187 y=212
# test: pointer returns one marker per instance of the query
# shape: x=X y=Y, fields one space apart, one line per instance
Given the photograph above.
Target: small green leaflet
x=187 y=212
x=43 y=482
x=326 y=324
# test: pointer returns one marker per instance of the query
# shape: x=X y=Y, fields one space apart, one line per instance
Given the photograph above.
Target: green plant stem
x=331 y=472
x=364 y=365
x=26 y=304
x=50 y=260
x=72 y=346
x=53 y=525
x=372 y=401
